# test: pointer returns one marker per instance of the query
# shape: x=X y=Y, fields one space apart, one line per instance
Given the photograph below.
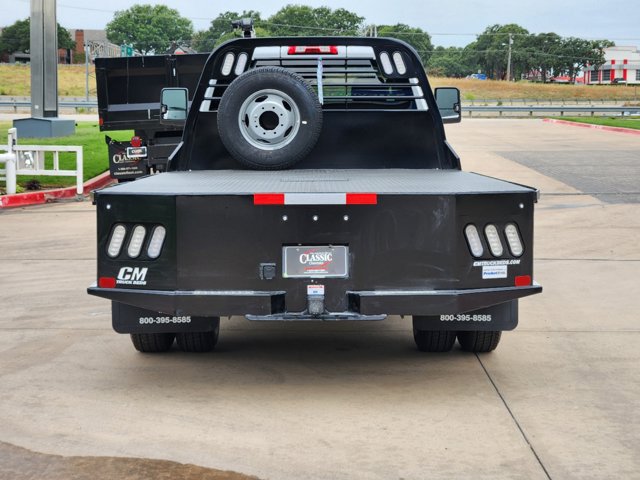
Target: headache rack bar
x=332 y=84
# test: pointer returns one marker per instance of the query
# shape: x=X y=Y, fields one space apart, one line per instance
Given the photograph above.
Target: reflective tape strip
x=315 y=199
x=362 y=198
x=268 y=199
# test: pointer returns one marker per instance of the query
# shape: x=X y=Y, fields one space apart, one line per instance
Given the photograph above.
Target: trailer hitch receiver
x=315 y=299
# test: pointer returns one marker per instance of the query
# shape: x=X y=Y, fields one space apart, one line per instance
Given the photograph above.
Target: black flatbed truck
x=359 y=210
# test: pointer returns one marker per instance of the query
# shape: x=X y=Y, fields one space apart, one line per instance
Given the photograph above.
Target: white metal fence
x=30 y=160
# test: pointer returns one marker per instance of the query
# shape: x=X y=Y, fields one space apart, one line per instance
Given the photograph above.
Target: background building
x=96 y=40
x=622 y=66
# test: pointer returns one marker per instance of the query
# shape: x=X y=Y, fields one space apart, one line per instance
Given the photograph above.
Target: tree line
x=153 y=28
x=542 y=55
x=16 y=37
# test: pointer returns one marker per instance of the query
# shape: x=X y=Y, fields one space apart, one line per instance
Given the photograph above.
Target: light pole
x=509 y=58
x=43 y=50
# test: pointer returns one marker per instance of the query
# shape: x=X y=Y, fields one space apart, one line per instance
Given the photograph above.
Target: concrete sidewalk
x=559 y=398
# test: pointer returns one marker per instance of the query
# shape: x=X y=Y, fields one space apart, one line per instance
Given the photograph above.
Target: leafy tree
x=547 y=55
x=300 y=20
x=149 y=28
x=220 y=30
x=577 y=53
x=490 y=50
x=416 y=37
x=17 y=37
x=596 y=57
x=451 y=62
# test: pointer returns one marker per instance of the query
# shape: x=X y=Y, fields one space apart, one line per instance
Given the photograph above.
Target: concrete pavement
x=560 y=397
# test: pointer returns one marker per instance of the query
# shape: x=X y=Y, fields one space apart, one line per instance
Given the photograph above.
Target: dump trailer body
x=128 y=90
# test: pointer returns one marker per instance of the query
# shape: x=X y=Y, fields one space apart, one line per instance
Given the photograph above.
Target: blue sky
x=454 y=22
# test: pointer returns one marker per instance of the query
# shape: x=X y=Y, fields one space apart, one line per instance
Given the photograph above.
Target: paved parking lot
x=560 y=398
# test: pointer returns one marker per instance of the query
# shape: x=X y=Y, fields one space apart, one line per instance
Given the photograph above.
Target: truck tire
x=479 y=342
x=199 y=342
x=269 y=118
x=152 y=342
x=434 y=340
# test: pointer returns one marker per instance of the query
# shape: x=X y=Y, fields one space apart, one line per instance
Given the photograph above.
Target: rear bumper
x=435 y=302
x=271 y=303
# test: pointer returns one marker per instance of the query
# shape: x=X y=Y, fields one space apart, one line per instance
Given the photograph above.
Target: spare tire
x=269 y=118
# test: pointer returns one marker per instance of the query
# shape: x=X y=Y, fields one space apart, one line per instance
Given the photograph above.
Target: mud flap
x=121 y=167
x=128 y=319
x=498 y=317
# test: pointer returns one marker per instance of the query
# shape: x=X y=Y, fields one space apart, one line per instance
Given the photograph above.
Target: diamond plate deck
x=234 y=182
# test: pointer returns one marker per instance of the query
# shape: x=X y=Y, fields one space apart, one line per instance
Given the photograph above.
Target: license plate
x=315 y=262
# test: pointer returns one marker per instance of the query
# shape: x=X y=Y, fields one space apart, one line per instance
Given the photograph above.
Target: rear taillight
x=156 y=242
x=136 y=141
x=116 y=240
x=513 y=239
x=473 y=239
x=493 y=238
x=137 y=238
x=313 y=50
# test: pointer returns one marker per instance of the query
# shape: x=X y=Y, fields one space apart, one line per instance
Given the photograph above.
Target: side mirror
x=448 y=101
x=173 y=105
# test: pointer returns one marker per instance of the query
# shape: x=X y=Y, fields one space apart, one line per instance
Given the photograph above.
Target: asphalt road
x=560 y=398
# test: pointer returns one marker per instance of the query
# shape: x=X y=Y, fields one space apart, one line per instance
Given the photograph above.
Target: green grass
x=87 y=135
x=632 y=122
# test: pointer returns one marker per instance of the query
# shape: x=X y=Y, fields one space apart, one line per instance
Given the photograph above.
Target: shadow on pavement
x=19 y=463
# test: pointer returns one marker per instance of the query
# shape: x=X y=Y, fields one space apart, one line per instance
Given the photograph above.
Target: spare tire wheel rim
x=269 y=119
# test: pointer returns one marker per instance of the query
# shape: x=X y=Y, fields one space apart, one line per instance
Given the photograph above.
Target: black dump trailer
x=129 y=91
x=313 y=182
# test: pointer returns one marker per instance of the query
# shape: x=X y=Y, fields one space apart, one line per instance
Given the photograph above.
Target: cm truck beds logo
x=132 y=276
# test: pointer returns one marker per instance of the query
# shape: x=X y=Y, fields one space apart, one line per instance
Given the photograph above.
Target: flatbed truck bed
x=380 y=181
x=313 y=182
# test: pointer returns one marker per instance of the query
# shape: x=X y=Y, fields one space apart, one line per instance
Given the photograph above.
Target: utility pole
x=44 y=59
x=509 y=58
x=43 y=50
x=87 y=52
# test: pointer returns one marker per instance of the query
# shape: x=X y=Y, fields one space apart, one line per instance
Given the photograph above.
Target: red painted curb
x=629 y=131
x=46 y=196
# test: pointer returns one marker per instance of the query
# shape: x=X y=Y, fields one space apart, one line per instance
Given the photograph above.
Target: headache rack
x=352 y=78
x=378 y=109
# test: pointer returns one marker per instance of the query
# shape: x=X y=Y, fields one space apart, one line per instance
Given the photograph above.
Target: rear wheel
x=479 y=342
x=152 y=342
x=433 y=340
x=199 y=342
